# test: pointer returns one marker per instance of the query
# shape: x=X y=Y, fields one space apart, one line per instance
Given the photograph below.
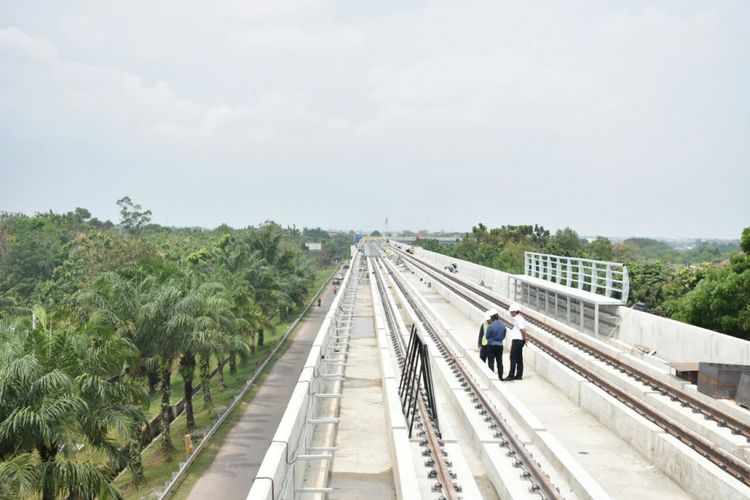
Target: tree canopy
x=117 y=312
x=707 y=285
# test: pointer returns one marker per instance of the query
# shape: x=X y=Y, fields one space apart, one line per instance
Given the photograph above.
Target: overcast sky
x=614 y=118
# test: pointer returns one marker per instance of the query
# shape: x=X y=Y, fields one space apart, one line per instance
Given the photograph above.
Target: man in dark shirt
x=482 y=340
x=495 y=337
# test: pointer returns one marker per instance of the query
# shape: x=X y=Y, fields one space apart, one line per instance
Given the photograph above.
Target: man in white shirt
x=518 y=339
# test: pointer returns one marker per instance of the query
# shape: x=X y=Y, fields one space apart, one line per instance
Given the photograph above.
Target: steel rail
x=727 y=462
x=541 y=482
x=722 y=418
x=444 y=475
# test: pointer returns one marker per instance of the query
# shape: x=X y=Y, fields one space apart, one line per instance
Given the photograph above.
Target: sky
x=619 y=118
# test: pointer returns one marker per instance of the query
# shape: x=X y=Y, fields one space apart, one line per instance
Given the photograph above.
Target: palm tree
x=155 y=316
x=55 y=398
x=113 y=304
x=238 y=267
x=200 y=319
x=232 y=343
x=181 y=326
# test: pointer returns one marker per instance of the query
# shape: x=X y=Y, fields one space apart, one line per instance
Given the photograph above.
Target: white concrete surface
x=676 y=341
x=506 y=484
x=362 y=464
x=466 y=474
x=605 y=456
x=276 y=476
x=404 y=472
x=659 y=371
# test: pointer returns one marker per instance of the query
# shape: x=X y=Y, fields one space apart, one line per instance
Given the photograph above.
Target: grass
x=159 y=466
x=201 y=464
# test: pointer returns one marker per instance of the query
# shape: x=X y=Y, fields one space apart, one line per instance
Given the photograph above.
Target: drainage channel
x=362 y=466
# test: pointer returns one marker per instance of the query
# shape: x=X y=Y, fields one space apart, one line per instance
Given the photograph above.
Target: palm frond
x=75 y=479
x=19 y=476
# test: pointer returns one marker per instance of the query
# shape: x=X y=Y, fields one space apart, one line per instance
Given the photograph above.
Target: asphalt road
x=231 y=474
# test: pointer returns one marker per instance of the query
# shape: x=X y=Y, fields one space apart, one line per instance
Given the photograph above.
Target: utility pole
x=386 y=228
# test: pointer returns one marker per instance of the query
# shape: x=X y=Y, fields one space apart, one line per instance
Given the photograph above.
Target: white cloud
x=579 y=97
x=14 y=38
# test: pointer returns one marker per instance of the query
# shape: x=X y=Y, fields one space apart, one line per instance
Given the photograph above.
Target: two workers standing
x=492 y=334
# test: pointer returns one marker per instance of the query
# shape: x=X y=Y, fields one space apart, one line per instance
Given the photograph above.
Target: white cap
x=490 y=313
x=514 y=308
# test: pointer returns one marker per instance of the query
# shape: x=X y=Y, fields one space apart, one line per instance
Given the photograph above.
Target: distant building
x=314 y=247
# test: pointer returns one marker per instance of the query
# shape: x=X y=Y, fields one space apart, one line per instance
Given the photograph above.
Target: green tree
x=55 y=396
x=565 y=242
x=650 y=250
x=156 y=312
x=199 y=319
x=90 y=255
x=721 y=301
x=745 y=240
x=428 y=244
x=30 y=249
x=132 y=217
x=599 y=249
x=647 y=284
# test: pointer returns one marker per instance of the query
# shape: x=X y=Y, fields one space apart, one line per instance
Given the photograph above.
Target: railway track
x=438 y=457
x=529 y=468
x=726 y=461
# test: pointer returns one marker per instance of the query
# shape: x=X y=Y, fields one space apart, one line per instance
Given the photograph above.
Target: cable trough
x=529 y=468
x=727 y=462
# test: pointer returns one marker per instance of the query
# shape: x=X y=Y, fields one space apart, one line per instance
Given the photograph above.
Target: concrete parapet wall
x=495 y=280
x=673 y=341
x=279 y=473
x=676 y=341
x=695 y=474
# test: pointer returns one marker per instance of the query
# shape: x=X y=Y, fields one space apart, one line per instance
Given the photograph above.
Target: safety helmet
x=490 y=313
x=514 y=308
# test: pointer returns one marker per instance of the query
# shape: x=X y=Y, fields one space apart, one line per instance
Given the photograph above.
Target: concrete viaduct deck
x=593 y=417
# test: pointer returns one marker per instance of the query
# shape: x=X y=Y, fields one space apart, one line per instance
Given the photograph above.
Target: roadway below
x=232 y=472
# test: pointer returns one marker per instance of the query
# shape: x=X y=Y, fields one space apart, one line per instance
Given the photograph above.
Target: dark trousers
x=495 y=352
x=516 y=359
x=483 y=353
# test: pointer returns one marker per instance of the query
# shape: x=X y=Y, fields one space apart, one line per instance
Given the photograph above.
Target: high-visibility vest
x=484 y=333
